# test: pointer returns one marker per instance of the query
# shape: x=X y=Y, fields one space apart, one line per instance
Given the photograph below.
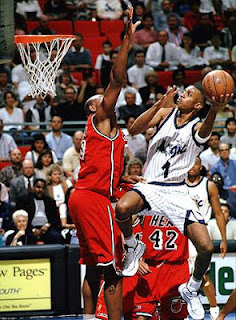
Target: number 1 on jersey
x=166 y=168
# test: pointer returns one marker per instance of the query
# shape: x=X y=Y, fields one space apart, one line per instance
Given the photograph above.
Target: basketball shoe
x=131 y=259
x=195 y=308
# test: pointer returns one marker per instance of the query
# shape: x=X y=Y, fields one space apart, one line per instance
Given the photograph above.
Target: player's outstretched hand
x=167 y=100
x=223 y=249
x=133 y=179
x=143 y=268
x=131 y=28
x=218 y=105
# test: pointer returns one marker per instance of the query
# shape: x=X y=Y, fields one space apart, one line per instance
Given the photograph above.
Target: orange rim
x=41 y=38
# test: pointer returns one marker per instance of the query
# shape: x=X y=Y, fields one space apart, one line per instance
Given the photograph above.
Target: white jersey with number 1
x=173 y=150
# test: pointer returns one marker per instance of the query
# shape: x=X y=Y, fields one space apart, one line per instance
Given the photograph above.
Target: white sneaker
x=131 y=259
x=214 y=312
x=195 y=308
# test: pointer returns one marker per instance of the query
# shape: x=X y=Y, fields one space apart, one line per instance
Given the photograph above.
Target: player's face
x=196 y=169
x=188 y=99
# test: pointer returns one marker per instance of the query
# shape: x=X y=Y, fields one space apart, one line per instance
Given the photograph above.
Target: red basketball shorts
x=99 y=236
x=161 y=286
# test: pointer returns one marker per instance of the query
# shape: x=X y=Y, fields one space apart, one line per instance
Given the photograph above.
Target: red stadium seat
x=111 y=26
x=94 y=44
x=4 y=164
x=24 y=150
x=191 y=76
x=87 y=28
x=114 y=38
x=77 y=76
x=42 y=4
x=61 y=27
x=31 y=25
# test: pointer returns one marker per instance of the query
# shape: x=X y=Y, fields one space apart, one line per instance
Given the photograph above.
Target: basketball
x=217 y=83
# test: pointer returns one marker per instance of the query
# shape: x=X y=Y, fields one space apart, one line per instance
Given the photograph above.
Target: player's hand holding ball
x=218 y=88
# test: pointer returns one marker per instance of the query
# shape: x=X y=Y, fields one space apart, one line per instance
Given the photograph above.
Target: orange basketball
x=217 y=83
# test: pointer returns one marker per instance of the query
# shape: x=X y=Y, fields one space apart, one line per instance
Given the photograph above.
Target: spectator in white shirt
x=217 y=56
x=105 y=56
x=109 y=9
x=213 y=229
x=121 y=98
x=190 y=53
x=71 y=155
x=7 y=143
x=136 y=143
x=163 y=55
x=10 y=113
x=136 y=73
x=30 y=9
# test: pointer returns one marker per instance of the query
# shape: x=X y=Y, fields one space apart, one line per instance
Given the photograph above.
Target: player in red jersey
x=102 y=164
x=164 y=268
x=129 y=284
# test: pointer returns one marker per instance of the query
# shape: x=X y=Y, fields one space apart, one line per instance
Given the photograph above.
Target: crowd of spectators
x=174 y=36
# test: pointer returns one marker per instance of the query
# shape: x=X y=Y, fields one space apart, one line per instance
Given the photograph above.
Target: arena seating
x=87 y=28
x=111 y=26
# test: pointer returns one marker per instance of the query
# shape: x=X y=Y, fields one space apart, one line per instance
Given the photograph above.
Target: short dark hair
x=229 y=120
x=188 y=35
x=107 y=42
x=148 y=15
x=225 y=204
x=79 y=35
x=138 y=52
x=3 y=70
x=39 y=180
x=39 y=164
x=57 y=117
x=9 y=92
x=215 y=133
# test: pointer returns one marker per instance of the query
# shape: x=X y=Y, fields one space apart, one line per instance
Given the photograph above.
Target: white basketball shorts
x=171 y=200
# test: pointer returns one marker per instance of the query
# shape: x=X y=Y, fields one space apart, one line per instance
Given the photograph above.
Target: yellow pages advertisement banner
x=25 y=285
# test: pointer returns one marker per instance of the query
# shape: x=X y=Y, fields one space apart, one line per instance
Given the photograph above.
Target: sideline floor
x=231 y=316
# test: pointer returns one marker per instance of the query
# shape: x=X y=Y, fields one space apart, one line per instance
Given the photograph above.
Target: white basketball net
x=42 y=72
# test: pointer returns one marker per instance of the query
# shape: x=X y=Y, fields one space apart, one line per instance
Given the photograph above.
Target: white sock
x=131 y=241
x=194 y=284
x=214 y=309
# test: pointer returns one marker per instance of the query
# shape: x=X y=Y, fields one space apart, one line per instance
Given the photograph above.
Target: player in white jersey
x=171 y=155
x=206 y=196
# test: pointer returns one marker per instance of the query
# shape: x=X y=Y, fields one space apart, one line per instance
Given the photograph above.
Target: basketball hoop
x=43 y=71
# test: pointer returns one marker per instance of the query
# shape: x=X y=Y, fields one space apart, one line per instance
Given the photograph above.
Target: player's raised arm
x=118 y=72
x=156 y=113
x=208 y=123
